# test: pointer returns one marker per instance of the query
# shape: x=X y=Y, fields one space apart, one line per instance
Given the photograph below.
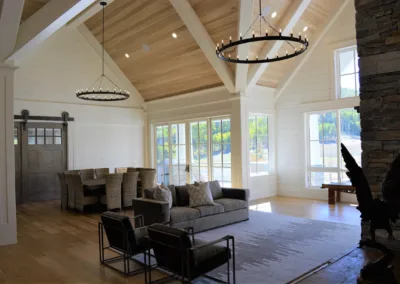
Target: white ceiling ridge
x=44 y=23
x=10 y=19
x=245 y=21
x=286 y=23
x=87 y=14
x=203 y=39
x=94 y=43
x=333 y=17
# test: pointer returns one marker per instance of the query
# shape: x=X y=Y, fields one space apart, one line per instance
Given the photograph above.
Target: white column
x=8 y=224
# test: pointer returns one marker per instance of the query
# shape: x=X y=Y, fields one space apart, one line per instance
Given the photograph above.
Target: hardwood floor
x=60 y=247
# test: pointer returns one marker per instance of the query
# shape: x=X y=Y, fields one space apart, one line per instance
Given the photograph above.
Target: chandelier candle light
x=103 y=94
x=291 y=40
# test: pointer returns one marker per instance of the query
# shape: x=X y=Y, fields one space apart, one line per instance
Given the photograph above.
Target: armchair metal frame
x=186 y=255
x=125 y=253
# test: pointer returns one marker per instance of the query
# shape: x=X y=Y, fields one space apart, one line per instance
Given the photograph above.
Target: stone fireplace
x=378 y=43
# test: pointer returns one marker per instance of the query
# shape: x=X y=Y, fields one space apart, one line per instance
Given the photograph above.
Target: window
x=203 y=147
x=258 y=145
x=347 y=73
x=41 y=136
x=326 y=130
x=221 y=151
x=15 y=136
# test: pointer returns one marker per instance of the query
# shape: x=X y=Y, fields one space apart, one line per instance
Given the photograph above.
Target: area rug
x=272 y=248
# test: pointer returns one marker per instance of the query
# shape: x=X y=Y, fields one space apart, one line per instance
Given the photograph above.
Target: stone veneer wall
x=378 y=42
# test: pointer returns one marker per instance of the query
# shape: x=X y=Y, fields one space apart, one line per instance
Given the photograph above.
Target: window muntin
x=347 y=73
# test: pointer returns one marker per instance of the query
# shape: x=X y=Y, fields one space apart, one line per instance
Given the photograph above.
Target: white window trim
x=309 y=168
x=270 y=170
x=187 y=122
x=337 y=71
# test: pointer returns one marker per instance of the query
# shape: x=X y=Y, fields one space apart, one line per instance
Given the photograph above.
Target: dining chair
x=112 y=199
x=72 y=172
x=102 y=172
x=131 y=169
x=147 y=180
x=87 y=174
x=63 y=191
x=80 y=200
x=70 y=188
x=121 y=170
x=129 y=188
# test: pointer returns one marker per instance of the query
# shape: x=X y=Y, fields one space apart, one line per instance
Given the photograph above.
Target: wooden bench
x=336 y=188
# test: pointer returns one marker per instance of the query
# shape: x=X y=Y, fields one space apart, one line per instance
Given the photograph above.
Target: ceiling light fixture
x=274 y=14
x=174 y=35
x=305 y=29
x=296 y=45
x=106 y=90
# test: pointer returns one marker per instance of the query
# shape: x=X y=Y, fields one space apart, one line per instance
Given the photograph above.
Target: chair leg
x=233 y=262
x=229 y=276
x=145 y=267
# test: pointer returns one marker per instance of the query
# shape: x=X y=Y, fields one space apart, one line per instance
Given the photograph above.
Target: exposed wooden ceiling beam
x=314 y=43
x=10 y=18
x=286 y=23
x=86 y=14
x=203 y=39
x=45 y=22
x=245 y=20
x=94 y=43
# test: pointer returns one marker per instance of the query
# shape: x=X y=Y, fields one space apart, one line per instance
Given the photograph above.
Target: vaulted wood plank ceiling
x=31 y=7
x=161 y=66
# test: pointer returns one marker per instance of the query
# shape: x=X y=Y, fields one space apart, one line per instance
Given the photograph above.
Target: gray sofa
x=231 y=206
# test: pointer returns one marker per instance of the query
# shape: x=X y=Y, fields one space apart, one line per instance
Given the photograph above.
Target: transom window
x=326 y=130
x=347 y=72
x=258 y=145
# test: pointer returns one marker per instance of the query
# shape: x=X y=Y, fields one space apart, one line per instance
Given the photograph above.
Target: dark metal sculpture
x=378 y=213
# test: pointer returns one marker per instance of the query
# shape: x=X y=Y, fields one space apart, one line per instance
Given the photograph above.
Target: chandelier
x=264 y=36
x=103 y=89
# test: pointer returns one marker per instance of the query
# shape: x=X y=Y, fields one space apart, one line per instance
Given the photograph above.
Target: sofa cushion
x=215 y=188
x=232 y=204
x=182 y=195
x=182 y=214
x=208 y=210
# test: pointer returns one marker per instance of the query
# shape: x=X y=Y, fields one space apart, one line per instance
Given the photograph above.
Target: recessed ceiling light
x=274 y=14
x=305 y=29
x=126 y=55
x=174 y=35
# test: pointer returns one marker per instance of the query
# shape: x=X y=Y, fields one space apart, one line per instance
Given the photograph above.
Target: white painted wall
x=261 y=101
x=104 y=134
x=218 y=102
x=312 y=89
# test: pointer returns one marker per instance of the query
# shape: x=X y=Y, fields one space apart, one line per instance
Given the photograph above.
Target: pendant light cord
x=103 y=44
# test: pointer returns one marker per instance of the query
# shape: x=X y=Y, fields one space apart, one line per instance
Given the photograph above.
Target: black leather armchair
x=124 y=241
x=186 y=258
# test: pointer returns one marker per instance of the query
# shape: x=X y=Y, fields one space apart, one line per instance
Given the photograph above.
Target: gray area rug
x=276 y=249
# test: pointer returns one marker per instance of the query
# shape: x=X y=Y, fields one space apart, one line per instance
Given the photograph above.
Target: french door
x=192 y=151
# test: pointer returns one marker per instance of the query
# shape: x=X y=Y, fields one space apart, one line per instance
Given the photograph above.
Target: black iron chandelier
x=103 y=89
x=292 y=41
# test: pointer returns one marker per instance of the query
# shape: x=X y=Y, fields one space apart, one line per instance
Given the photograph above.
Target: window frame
x=309 y=169
x=268 y=117
x=188 y=144
x=338 y=76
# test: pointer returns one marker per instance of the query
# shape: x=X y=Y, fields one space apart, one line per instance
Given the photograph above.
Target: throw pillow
x=200 y=195
x=162 y=194
x=171 y=188
x=215 y=188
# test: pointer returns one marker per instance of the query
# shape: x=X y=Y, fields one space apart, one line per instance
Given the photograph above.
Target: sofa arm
x=153 y=211
x=236 y=193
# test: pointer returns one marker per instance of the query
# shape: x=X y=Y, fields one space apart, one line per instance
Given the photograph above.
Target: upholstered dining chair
x=102 y=172
x=70 y=188
x=63 y=190
x=147 y=180
x=129 y=188
x=87 y=174
x=112 y=199
x=80 y=200
x=72 y=172
x=121 y=170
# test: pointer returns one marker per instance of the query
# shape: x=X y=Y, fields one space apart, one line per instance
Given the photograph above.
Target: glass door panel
x=162 y=154
x=178 y=154
x=199 y=151
x=221 y=151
